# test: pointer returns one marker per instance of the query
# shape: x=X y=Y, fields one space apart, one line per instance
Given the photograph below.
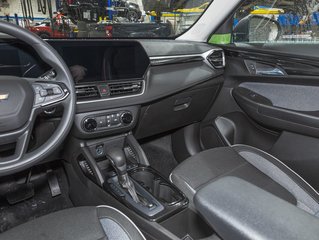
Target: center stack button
x=101 y=121
x=115 y=119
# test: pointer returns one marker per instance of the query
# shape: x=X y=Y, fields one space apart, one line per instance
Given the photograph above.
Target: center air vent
x=108 y=90
x=126 y=88
x=87 y=92
x=217 y=59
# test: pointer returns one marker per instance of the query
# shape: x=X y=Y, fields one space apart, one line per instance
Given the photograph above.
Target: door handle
x=270 y=71
x=264 y=69
x=181 y=104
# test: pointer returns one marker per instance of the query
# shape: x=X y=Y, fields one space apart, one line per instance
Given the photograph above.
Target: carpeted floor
x=41 y=204
x=160 y=155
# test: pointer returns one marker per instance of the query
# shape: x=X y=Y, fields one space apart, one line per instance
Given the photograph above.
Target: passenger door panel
x=281 y=106
x=277 y=94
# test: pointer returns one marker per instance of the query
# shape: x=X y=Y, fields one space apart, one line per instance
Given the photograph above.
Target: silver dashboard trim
x=171 y=59
x=159 y=61
x=206 y=54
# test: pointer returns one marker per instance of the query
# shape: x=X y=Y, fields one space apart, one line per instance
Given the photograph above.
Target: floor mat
x=160 y=155
x=41 y=204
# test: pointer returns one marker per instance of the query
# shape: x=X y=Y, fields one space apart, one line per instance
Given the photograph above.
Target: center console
x=115 y=171
x=119 y=166
x=159 y=197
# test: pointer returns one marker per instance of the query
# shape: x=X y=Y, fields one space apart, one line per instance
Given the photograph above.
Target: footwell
x=40 y=204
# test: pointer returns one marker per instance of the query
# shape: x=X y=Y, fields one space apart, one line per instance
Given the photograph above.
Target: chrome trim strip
x=206 y=54
x=114 y=98
x=167 y=61
x=173 y=59
x=175 y=56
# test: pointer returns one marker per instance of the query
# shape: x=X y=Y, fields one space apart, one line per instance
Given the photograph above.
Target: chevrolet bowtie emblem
x=4 y=96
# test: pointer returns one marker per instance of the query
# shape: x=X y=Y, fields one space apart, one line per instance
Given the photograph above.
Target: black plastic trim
x=292 y=65
x=262 y=110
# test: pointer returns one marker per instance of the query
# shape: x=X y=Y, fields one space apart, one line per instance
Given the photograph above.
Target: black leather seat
x=81 y=223
x=247 y=163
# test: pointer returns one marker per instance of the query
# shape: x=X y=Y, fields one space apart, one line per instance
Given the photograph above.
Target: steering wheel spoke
x=21 y=139
x=49 y=93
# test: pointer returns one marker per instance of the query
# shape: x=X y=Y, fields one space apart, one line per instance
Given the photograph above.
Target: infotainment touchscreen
x=105 y=63
x=85 y=63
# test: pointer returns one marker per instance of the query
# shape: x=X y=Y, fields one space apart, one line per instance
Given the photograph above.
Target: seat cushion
x=237 y=161
x=81 y=223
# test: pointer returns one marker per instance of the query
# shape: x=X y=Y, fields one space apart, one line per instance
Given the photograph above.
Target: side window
x=264 y=21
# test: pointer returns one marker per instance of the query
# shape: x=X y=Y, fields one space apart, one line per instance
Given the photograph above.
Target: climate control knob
x=90 y=124
x=127 y=118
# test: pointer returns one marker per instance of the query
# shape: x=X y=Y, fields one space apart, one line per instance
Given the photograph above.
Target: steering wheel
x=22 y=99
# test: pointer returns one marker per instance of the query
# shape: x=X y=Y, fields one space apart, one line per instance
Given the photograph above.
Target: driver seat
x=80 y=223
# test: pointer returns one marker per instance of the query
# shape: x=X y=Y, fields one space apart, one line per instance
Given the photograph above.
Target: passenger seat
x=250 y=164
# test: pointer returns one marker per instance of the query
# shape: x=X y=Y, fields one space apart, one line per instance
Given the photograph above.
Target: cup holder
x=160 y=188
x=167 y=194
x=145 y=179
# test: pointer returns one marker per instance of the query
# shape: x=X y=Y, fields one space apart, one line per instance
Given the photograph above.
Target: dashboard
x=127 y=84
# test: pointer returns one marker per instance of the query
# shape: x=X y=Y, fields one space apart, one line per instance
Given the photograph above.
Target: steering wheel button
x=39 y=99
x=43 y=93
x=57 y=90
x=50 y=91
x=37 y=88
x=52 y=97
x=49 y=85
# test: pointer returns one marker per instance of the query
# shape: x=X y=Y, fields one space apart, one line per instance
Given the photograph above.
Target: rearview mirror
x=255 y=28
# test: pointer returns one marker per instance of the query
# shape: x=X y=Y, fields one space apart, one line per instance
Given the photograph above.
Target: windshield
x=104 y=18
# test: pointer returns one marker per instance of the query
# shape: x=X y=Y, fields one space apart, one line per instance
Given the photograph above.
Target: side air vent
x=87 y=92
x=217 y=59
x=126 y=88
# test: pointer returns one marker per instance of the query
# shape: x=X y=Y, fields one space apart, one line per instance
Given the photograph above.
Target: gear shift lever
x=118 y=161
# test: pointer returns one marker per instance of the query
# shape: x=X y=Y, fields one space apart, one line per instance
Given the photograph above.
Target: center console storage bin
x=188 y=222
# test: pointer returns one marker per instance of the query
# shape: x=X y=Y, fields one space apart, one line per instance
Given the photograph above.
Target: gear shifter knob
x=117 y=157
